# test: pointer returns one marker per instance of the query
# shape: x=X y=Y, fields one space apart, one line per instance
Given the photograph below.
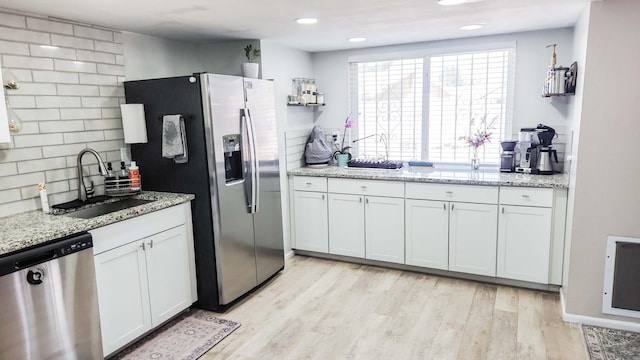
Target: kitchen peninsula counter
x=439 y=175
x=32 y=228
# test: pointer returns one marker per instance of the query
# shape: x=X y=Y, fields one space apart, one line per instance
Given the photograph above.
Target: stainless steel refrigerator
x=232 y=168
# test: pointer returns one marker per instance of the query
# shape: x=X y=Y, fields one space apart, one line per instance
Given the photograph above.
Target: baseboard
x=289 y=254
x=595 y=321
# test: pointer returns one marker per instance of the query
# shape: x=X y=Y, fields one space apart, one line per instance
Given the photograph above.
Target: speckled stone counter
x=436 y=175
x=35 y=227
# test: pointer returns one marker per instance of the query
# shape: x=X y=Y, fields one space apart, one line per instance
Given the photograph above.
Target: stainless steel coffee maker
x=546 y=156
x=528 y=144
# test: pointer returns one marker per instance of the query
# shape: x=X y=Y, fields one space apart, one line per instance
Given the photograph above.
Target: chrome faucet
x=82 y=189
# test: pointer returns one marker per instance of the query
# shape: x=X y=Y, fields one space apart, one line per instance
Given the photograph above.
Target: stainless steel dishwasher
x=48 y=302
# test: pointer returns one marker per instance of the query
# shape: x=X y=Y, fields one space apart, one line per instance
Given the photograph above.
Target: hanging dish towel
x=174 y=139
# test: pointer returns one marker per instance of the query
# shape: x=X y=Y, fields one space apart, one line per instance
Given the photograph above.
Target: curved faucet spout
x=82 y=189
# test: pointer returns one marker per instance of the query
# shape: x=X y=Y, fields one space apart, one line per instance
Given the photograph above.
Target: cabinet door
x=168 y=272
x=346 y=225
x=524 y=240
x=427 y=233
x=123 y=295
x=384 y=229
x=473 y=238
x=311 y=225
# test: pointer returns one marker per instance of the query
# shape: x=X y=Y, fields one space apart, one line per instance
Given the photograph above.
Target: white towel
x=174 y=139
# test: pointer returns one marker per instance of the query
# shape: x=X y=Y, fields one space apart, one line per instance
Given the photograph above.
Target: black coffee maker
x=546 y=155
x=508 y=157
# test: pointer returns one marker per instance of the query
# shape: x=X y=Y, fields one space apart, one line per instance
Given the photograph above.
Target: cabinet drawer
x=444 y=192
x=367 y=187
x=310 y=183
x=526 y=196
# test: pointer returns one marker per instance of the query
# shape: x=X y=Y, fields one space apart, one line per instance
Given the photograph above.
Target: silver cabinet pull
x=444 y=206
x=451 y=206
x=309 y=183
x=143 y=248
x=362 y=187
x=322 y=196
x=503 y=209
x=525 y=196
x=360 y=200
x=151 y=244
x=367 y=201
x=449 y=192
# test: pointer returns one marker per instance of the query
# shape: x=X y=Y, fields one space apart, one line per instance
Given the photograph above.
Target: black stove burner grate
x=380 y=164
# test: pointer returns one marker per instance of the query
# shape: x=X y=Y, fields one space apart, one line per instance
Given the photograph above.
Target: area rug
x=187 y=337
x=611 y=344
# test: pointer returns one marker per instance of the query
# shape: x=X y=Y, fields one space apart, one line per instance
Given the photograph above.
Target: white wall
x=282 y=64
x=149 y=57
x=331 y=70
x=226 y=57
x=607 y=196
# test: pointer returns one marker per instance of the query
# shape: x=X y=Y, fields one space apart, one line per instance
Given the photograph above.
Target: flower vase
x=475 y=160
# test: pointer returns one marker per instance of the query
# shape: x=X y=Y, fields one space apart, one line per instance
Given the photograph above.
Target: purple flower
x=348 y=123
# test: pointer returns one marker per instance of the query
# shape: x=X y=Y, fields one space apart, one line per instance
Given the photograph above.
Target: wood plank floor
x=323 y=309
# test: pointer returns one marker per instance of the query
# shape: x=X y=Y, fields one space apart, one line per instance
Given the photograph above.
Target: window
x=422 y=108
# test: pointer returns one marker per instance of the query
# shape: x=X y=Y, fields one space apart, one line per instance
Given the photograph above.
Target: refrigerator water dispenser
x=232 y=158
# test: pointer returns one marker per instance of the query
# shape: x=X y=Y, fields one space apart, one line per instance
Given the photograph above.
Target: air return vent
x=621 y=295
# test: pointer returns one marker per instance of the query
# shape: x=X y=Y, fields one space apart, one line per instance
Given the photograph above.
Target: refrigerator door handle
x=247 y=167
x=255 y=172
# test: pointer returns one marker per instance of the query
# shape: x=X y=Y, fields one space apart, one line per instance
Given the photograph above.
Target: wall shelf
x=558 y=94
x=307 y=105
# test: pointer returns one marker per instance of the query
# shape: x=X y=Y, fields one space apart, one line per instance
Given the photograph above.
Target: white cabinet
x=311 y=224
x=525 y=234
x=384 y=224
x=346 y=225
x=472 y=238
x=144 y=273
x=427 y=233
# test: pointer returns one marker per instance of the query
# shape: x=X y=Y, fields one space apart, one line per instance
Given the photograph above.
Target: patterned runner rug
x=611 y=344
x=187 y=337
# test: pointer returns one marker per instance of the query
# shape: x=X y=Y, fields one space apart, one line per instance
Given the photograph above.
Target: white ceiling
x=383 y=22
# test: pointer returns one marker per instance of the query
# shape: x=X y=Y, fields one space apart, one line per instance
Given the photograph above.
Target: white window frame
x=426 y=54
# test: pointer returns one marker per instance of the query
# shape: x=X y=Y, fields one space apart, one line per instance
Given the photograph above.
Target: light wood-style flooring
x=323 y=309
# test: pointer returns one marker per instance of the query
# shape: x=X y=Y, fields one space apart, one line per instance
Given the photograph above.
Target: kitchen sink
x=106 y=208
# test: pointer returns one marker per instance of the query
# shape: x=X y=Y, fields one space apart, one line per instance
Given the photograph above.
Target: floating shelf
x=310 y=105
x=558 y=94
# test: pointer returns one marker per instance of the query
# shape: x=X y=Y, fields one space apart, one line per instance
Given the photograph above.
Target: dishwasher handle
x=35 y=259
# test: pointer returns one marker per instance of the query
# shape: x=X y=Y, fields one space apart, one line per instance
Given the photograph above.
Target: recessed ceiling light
x=306 y=21
x=49 y=47
x=451 y=2
x=357 y=39
x=472 y=27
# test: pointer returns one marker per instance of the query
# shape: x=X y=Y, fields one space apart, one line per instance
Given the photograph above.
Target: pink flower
x=348 y=123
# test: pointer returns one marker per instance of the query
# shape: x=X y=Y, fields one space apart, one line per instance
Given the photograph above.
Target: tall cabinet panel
x=346 y=225
x=427 y=233
x=472 y=238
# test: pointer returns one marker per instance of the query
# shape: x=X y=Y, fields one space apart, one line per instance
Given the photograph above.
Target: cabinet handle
x=451 y=206
x=361 y=200
x=503 y=209
x=525 y=196
x=444 y=206
x=449 y=192
x=322 y=196
x=143 y=248
x=151 y=244
x=367 y=201
x=308 y=183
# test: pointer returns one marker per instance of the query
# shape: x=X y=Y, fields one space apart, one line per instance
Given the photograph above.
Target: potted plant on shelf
x=342 y=155
x=251 y=69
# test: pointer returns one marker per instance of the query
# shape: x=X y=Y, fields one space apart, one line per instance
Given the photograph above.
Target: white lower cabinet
x=524 y=243
x=346 y=225
x=142 y=282
x=384 y=229
x=472 y=238
x=311 y=223
x=427 y=233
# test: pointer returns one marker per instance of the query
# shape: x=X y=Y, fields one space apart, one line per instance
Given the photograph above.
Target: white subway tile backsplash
x=21 y=75
x=114 y=135
x=17 y=102
x=108 y=113
x=52 y=188
x=109 y=145
x=98 y=57
x=61 y=174
x=56 y=77
x=72 y=114
x=35 y=89
x=16 y=155
x=54 y=53
x=63 y=197
x=7 y=169
x=38 y=114
x=98 y=79
x=75 y=66
x=10 y=47
x=25 y=36
x=114 y=157
x=19 y=206
x=83 y=137
x=108 y=47
x=22 y=141
x=100 y=102
x=61 y=126
x=29 y=127
x=117 y=37
x=62 y=150
x=103 y=124
x=58 y=102
x=49 y=26
x=92 y=33
x=41 y=165
x=119 y=59
x=111 y=69
x=72 y=42
x=18 y=181
x=80 y=90
x=13 y=20
x=9 y=196
x=26 y=62
x=112 y=91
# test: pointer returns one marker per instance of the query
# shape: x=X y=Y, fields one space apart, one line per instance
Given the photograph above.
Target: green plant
x=251 y=53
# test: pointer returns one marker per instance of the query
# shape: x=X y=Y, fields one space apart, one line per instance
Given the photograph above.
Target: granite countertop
x=31 y=228
x=436 y=175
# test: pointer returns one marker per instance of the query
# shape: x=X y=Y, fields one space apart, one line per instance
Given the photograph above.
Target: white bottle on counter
x=44 y=199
